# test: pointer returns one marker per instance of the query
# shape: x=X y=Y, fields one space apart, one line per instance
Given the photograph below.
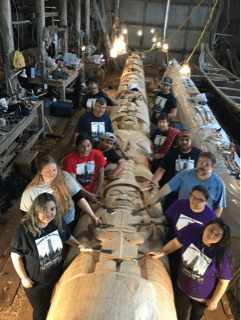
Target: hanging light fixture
x=154 y=39
x=152 y=30
x=125 y=31
x=165 y=46
x=159 y=44
x=185 y=71
x=119 y=45
x=140 y=33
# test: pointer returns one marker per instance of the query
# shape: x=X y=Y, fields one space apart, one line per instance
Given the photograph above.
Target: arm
x=158 y=175
x=113 y=100
x=91 y=196
x=75 y=244
x=83 y=204
x=99 y=182
x=20 y=269
x=119 y=168
x=217 y=295
x=165 y=190
x=162 y=221
x=170 y=247
x=218 y=211
x=173 y=113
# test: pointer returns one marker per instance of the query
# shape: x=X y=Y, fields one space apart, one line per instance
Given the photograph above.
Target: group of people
x=198 y=238
x=194 y=200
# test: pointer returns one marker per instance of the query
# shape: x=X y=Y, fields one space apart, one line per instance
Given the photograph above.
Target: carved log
x=97 y=286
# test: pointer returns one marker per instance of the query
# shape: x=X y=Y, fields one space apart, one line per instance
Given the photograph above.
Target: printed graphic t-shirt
x=175 y=161
x=163 y=103
x=199 y=266
x=85 y=168
x=182 y=215
x=42 y=255
x=89 y=100
x=93 y=125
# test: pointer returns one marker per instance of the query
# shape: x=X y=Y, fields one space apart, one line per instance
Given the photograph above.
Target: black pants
x=183 y=304
x=39 y=297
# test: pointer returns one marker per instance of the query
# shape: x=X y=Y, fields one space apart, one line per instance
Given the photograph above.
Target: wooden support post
x=63 y=24
x=8 y=46
x=87 y=22
x=77 y=26
x=102 y=23
x=40 y=14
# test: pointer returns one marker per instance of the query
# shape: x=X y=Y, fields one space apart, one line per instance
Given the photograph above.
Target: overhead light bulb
x=159 y=44
x=140 y=33
x=83 y=48
x=185 y=71
x=119 y=45
x=152 y=30
x=125 y=31
x=154 y=39
x=165 y=46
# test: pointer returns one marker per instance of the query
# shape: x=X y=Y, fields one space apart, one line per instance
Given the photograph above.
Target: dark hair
x=81 y=137
x=208 y=155
x=223 y=245
x=101 y=101
x=164 y=116
x=92 y=79
x=203 y=190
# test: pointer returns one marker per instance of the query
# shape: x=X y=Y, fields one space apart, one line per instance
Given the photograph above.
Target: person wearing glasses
x=203 y=174
x=182 y=213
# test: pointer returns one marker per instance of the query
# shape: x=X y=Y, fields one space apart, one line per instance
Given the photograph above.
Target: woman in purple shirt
x=205 y=267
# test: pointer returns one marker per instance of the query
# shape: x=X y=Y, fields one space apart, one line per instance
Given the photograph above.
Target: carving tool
x=138 y=259
x=104 y=225
x=144 y=224
x=124 y=155
x=135 y=212
x=95 y=250
x=110 y=210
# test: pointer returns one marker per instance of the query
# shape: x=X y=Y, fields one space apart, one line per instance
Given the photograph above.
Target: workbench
x=62 y=84
x=10 y=150
x=91 y=67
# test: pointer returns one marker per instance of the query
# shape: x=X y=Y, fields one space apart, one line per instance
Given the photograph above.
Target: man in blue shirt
x=184 y=181
x=94 y=123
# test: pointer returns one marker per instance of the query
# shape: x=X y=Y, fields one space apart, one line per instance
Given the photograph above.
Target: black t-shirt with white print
x=42 y=255
x=175 y=161
x=89 y=100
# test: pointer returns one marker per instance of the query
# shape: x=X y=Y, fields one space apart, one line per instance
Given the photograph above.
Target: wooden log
x=97 y=286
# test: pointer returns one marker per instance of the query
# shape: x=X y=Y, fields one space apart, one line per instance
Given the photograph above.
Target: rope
x=48 y=124
x=204 y=29
x=173 y=34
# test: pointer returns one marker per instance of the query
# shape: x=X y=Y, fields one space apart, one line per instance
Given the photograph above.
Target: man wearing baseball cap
x=164 y=101
x=89 y=100
x=105 y=145
x=177 y=159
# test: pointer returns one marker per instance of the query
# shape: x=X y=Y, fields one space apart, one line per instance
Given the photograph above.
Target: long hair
x=223 y=245
x=59 y=184
x=31 y=218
